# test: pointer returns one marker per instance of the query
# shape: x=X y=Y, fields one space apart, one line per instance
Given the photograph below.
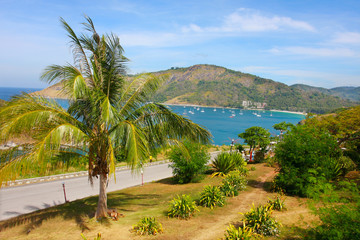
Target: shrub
x=243 y=233
x=260 y=220
x=277 y=204
x=211 y=197
x=188 y=165
x=306 y=155
x=148 y=226
x=339 y=222
x=232 y=183
x=228 y=161
x=182 y=207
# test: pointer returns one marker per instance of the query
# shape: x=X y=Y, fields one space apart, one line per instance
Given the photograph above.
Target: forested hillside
x=217 y=86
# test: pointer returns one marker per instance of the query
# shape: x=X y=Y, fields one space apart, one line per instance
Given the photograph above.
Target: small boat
x=202 y=110
x=231 y=116
x=214 y=109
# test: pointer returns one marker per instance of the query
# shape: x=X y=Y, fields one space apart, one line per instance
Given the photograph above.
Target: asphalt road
x=15 y=201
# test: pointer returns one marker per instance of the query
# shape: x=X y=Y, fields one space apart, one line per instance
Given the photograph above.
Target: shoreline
x=202 y=106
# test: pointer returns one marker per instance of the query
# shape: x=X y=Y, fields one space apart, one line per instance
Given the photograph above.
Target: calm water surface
x=224 y=124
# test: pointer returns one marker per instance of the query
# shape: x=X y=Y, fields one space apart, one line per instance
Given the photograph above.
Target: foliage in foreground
x=188 y=163
x=211 y=197
x=148 y=226
x=228 y=161
x=340 y=214
x=182 y=207
x=340 y=222
x=232 y=183
x=240 y=233
x=260 y=220
x=98 y=236
x=307 y=157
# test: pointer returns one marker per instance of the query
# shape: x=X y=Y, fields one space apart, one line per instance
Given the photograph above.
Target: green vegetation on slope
x=217 y=86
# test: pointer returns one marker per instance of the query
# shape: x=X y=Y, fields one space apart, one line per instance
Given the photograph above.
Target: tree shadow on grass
x=122 y=201
x=77 y=210
x=80 y=211
x=258 y=184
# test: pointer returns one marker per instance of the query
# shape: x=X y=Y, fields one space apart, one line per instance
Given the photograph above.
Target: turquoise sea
x=224 y=124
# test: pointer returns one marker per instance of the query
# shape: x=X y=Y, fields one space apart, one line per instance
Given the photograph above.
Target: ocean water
x=7 y=92
x=224 y=124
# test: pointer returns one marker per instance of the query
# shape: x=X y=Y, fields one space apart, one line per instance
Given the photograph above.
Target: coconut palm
x=107 y=115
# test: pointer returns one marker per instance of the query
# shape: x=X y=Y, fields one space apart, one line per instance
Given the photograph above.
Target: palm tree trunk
x=102 y=203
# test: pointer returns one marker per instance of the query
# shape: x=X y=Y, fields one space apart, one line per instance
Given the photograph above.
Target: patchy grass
x=69 y=220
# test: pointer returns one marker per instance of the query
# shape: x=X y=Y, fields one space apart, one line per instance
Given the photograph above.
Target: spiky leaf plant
x=148 y=226
x=211 y=196
x=260 y=220
x=182 y=207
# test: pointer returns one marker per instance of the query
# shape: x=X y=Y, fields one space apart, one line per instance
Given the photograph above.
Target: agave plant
x=228 y=161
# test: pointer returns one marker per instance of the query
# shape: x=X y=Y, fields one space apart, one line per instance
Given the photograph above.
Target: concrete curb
x=73 y=175
x=67 y=175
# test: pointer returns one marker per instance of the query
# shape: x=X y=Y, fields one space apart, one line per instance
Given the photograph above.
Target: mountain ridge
x=211 y=85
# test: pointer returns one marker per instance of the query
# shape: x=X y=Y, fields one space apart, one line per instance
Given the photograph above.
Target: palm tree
x=107 y=115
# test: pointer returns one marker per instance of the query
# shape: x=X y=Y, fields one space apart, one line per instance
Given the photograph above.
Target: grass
x=69 y=220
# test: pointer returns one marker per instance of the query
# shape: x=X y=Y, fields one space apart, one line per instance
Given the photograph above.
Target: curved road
x=15 y=201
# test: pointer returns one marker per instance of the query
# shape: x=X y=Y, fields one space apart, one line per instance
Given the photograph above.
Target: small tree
x=282 y=127
x=256 y=137
x=188 y=163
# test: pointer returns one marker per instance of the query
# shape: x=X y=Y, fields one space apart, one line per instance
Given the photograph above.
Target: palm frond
x=80 y=57
x=138 y=93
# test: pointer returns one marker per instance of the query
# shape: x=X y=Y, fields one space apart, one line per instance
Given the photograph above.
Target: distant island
x=210 y=85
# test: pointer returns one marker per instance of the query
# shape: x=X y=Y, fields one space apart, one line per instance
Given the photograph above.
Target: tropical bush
x=148 y=226
x=228 y=161
x=278 y=203
x=232 y=183
x=243 y=233
x=188 y=164
x=307 y=157
x=340 y=222
x=182 y=207
x=211 y=197
x=260 y=220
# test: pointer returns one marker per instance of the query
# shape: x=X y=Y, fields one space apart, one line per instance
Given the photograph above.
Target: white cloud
x=314 y=52
x=247 y=20
x=347 y=38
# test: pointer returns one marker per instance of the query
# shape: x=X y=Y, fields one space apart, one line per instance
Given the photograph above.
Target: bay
x=224 y=124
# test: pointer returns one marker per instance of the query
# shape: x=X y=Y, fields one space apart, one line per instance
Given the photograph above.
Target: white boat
x=214 y=109
x=202 y=110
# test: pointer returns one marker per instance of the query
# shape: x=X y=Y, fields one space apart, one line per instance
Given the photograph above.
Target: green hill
x=350 y=93
x=217 y=86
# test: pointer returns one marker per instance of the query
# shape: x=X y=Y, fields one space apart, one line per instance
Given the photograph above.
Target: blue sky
x=290 y=41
